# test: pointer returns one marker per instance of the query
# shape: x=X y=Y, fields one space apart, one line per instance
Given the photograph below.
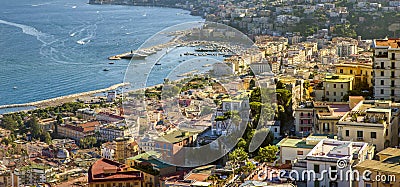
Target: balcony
x=360 y=139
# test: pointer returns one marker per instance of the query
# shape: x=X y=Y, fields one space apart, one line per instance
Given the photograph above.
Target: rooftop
x=390 y=151
x=329 y=148
x=104 y=170
x=392 y=42
x=390 y=165
x=295 y=143
x=175 y=136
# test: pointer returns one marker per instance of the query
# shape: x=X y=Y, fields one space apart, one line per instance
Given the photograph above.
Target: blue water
x=56 y=48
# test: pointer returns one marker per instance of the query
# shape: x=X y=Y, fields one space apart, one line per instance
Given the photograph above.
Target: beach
x=84 y=96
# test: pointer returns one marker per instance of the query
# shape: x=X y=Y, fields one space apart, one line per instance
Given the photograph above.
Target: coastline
x=145 y=4
x=62 y=99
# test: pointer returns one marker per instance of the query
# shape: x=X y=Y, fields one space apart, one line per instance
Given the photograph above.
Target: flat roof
x=175 y=136
x=295 y=143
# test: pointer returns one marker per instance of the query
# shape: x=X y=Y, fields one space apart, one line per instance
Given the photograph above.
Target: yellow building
x=362 y=71
x=335 y=87
x=125 y=148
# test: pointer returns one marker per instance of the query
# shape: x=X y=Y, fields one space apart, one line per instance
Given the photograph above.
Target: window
x=382 y=65
x=373 y=135
x=382 y=91
x=392 y=83
x=341 y=93
x=334 y=93
x=299 y=152
x=316 y=168
x=393 y=56
x=393 y=66
x=275 y=129
x=392 y=74
x=341 y=85
x=316 y=183
x=360 y=72
x=326 y=127
x=351 y=71
x=327 y=92
x=382 y=73
x=347 y=133
x=392 y=92
x=360 y=134
x=382 y=82
x=334 y=85
x=387 y=132
x=341 y=70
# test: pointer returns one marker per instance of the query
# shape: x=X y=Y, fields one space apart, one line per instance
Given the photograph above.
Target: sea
x=60 y=47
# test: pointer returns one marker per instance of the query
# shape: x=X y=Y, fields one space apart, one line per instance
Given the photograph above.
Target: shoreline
x=62 y=99
x=143 y=4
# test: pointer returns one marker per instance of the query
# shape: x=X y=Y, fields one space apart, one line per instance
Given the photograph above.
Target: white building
x=330 y=158
x=387 y=69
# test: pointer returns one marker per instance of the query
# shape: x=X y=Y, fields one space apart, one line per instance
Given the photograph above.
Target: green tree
x=34 y=126
x=267 y=154
x=47 y=138
x=238 y=155
x=9 y=123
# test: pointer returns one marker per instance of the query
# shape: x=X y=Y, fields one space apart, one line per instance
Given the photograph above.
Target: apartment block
x=387 y=69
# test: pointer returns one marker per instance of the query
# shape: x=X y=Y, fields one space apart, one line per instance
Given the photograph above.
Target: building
x=334 y=87
x=327 y=115
x=120 y=149
x=384 y=171
x=323 y=159
x=362 y=71
x=31 y=175
x=259 y=68
x=387 y=69
x=375 y=122
x=152 y=168
x=106 y=173
x=292 y=149
x=108 y=117
x=109 y=132
x=5 y=176
x=47 y=124
x=108 y=150
x=171 y=142
x=304 y=115
x=78 y=131
x=275 y=128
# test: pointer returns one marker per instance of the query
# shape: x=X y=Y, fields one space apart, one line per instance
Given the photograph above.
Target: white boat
x=81 y=42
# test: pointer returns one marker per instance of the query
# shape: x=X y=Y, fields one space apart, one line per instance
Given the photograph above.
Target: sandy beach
x=65 y=99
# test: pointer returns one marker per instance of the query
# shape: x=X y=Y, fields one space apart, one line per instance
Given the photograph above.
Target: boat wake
x=42 y=37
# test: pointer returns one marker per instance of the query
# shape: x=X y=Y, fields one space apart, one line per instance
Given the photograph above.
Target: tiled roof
x=108 y=170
